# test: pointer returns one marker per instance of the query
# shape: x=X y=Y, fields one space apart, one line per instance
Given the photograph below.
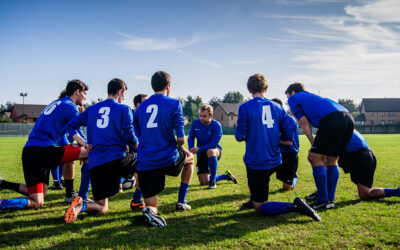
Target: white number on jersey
x=104 y=120
x=153 y=109
x=51 y=108
x=267 y=117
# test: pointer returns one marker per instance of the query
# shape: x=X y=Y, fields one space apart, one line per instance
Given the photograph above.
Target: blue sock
x=294 y=182
x=137 y=196
x=85 y=181
x=55 y=174
x=14 y=204
x=332 y=173
x=274 y=208
x=84 y=206
x=392 y=192
x=213 y=166
x=183 y=189
x=221 y=177
x=321 y=182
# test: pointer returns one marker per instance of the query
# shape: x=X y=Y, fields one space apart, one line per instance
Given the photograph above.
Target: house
x=379 y=111
x=226 y=114
x=26 y=112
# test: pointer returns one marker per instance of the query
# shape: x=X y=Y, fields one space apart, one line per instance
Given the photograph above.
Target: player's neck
x=258 y=94
x=162 y=92
x=113 y=97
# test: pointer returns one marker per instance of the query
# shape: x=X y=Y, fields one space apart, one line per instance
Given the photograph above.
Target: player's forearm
x=79 y=140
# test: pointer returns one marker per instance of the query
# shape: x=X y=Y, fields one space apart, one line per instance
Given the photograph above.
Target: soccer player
x=262 y=124
x=109 y=131
x=208 y=133
x=41 y=153
x=287 y=171
x=335 y=128
x=138 y=99
x=159 y=153
x=360 y=162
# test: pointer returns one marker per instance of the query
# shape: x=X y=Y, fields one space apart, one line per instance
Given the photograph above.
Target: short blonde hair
x=207 y=107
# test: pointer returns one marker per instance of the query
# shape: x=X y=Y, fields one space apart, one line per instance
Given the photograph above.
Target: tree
x=349 y=104
x=214 y=101
x=191 y=107
x=233 y=97
x=6 y=107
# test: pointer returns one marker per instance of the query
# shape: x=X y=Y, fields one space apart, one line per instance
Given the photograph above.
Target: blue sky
x=339 y=49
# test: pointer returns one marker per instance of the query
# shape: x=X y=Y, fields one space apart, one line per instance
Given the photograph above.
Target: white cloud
x=383 y=11
x=212 y=64
x=140 y=77
x=250 y=61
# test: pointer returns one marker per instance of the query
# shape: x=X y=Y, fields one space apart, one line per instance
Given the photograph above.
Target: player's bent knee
x=212 y=152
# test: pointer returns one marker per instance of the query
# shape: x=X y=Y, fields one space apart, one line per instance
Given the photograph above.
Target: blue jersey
x=207 y=136
x=109 y=130
x=262 y=123
x=312 y=106
x=155 y=121
x=357 y=141
x=294 y=148
x=49 y=127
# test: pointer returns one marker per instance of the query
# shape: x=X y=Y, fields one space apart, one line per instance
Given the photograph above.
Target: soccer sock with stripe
x=183 y=189
x=275 y=208
x=14 y=204
x=321 y=182
x=85 y=181
x=9 y=185
x=389 y=192
x=221 y=177
x=213 y=166
x=333 y=178
x=137 y=196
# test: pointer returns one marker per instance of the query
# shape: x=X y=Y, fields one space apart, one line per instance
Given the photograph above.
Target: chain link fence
x=15 y=129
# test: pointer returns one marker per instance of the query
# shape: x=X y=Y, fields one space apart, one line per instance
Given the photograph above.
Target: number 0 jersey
x=49 y=127
x=155 y=121
x=109 y=130
x=261 y=123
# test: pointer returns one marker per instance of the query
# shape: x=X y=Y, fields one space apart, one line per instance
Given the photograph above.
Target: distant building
x=379 y=111
x=226 y=114
x=26 y=112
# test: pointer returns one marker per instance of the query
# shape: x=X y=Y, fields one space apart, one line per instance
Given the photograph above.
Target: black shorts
x=361 y=165
x=288 y=169
x=334 y=133
x=38 y=161
x=202 y=162
x=152 y=182
x=258 y=181
x=105 y=178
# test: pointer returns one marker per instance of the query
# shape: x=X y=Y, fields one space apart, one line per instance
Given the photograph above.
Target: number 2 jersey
x=262 y=123
x=155 y=121
x=49 y=128
x=109 y=130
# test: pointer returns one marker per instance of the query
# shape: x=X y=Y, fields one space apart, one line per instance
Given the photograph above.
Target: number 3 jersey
x=109 y=130
x=262 y=123
x=49 y=127
x=155 y=121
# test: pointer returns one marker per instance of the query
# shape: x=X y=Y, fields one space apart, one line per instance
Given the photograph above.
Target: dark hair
x=62 y=94
x=114 y=85
x=73 y=85
x=257 y=84
x=160 y=80
x=277 y=100
x=138 y=99
x=296 y=87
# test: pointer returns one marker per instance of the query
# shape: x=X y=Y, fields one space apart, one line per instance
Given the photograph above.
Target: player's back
x=357 y=141
x=312 y=106
x=155 y=121
x=294 y=148
x=50 y=125
x=260 y=123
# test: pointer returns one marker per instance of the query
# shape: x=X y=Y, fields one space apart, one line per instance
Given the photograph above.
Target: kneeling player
x=208 y=133
x=360 y=162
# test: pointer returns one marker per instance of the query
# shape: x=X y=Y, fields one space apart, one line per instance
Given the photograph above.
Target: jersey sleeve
x=242 y=124
x=178 y=122
x=216 y=136
x=286 y=128
x=191 y=136
x=127 y=127
x=295 y=107
x=74 y=125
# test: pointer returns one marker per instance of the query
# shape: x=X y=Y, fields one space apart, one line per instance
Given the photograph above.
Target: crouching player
x=360 y=162
x=208 y=133
x=41 y=153
x=109 y=131
x=261 y=123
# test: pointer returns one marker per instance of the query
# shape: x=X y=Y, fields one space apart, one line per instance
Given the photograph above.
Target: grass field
x=215 y=220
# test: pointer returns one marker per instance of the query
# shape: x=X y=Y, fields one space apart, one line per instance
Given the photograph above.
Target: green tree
x=191 y=107
x=349 y=104
x=233 y=97
x=6 y=107
x=214 y=101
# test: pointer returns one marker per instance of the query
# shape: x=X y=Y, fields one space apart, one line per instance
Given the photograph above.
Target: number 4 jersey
x=155 y=121
x=262 y=123
x=109 y=130
x=50 y=125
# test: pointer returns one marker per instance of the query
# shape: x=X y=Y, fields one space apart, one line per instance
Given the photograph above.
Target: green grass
x=215 y=220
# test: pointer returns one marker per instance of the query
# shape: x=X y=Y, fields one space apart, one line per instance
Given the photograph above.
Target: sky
x=338 y=49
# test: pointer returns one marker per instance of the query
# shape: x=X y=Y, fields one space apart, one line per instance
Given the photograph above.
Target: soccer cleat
x=88 y=200
x=153 y=219
x=182 y=207
x=56 y=185
x=212 y=185
x=137 y=206
x=73 y=210
x=322 y=205
x=70 y=199
x=231 y=177
x=305 y=209
x=247 y=204
x=312 y=197
x=120 y=188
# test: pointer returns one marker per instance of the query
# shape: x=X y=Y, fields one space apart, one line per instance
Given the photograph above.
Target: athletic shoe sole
x=151 y=218
x=137 y=206
x=231 y=177
x=73 y=210
x=306 y=209
x=182 y=207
